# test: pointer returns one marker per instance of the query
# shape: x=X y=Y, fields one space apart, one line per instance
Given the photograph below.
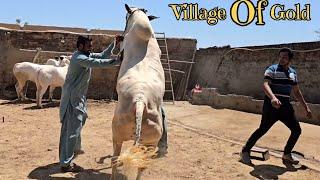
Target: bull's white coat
x=140 y=86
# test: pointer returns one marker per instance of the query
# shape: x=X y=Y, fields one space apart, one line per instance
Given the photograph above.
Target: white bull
x=61 y=61
x=50 y=76
x=140 y=86
x=25 y=71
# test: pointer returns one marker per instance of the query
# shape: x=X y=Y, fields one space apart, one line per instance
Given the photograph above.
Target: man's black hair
x=82 y=40
x=288 y=50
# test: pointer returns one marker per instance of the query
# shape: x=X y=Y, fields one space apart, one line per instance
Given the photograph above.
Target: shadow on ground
x=267 y=171
x=45 y=105
x=52 y=171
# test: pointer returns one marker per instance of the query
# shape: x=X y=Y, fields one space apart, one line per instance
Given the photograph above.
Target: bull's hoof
x=162 y=151
x=114 y=175
x=25 y=99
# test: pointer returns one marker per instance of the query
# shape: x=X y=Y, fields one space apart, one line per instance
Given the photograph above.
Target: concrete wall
x=103 y=81
x=211 y=97
x=240 y=71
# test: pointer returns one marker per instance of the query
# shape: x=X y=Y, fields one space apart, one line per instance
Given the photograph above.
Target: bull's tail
x=139 y=113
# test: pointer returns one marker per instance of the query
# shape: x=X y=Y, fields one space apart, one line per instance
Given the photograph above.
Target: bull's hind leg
x=116 y=152
x=51 y=89
x=19 y=89
x=151 y=147
x=139 y=174
x=40 y=92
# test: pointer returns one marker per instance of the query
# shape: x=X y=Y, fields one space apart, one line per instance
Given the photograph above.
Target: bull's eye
x=144 y=10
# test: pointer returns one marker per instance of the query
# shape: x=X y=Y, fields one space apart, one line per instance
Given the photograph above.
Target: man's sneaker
x=245 y=157
x=288 y=158
x=72 y=168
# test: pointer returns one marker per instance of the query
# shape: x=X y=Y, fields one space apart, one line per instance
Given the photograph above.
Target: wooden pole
x=188 y=76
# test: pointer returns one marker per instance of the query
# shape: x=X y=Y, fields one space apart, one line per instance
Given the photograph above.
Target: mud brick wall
x=103 y=81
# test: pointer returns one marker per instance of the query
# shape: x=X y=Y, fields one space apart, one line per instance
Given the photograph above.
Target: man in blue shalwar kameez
x=73 y=107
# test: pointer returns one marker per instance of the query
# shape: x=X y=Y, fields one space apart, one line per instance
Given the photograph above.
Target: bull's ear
x=152 y=17
x=128 y=8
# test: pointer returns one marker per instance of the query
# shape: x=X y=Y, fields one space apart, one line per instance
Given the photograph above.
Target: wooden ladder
x=162 y=41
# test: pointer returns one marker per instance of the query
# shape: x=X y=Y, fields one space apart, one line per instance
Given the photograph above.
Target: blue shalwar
x=73 y=107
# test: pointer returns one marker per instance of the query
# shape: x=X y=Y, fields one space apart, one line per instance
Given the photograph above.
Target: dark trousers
x=270 y=116
x=163 y=142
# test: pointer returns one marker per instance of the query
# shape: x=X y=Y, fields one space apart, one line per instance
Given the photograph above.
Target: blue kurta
x=73 y=106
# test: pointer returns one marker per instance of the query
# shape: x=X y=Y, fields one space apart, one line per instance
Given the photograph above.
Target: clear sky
x=110 y=14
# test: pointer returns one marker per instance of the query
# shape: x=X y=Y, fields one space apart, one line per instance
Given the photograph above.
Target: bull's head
x=131 y=10
x=64 y=60
x=130 y=13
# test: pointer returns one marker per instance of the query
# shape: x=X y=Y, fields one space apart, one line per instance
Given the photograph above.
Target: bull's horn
x=152 y=17
x=128 y=8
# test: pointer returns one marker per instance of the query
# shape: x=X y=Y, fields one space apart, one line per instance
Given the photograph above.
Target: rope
x=309 y=163
x=260 y=49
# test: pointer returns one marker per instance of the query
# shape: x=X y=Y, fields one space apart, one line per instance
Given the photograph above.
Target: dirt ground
x=29 y=139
